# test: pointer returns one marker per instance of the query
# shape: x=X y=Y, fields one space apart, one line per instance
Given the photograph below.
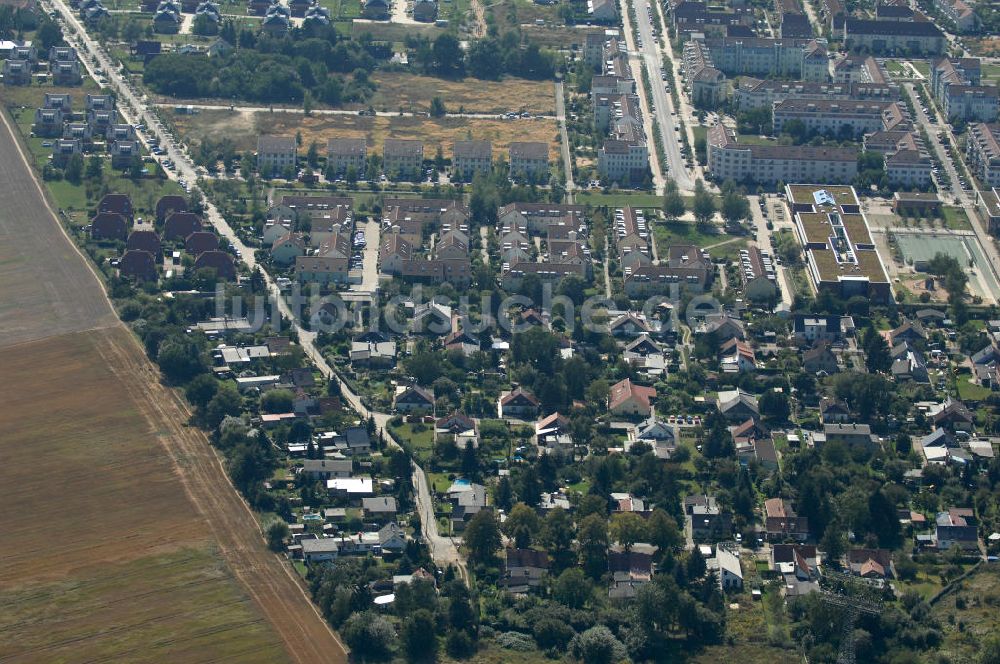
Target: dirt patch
x=414 y=93
x=431 y=131
x=918 y=286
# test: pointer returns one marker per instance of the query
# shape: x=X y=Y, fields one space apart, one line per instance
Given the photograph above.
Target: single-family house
x=413 y=399
x=629 y=399
x=524 y=569
x=519 y=403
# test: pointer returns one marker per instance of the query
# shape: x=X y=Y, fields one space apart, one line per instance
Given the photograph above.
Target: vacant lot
x=969 y=615
x=243 y=128
x=414 y=93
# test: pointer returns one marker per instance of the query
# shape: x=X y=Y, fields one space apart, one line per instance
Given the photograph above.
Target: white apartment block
x=766 y=164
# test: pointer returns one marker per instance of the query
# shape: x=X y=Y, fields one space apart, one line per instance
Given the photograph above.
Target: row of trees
x=488 y=58
x=733 y=203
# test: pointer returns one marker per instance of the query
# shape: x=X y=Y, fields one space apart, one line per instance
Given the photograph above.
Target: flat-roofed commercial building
x=840 y=254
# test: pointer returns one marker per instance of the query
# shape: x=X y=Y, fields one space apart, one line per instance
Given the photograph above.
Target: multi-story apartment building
x=706 y=83
x=469 y=158
x=840 y=253
x=276 y=153
x=840 y=117
x=853 y=68
x=345 y=153
x=49 y=119
x=64 y=66
x=908 y=168
x=16 y=72
x=977 y=103
x=529 y=160
x=688 y=18
x=891 y=142
x=402 y=158
x=960 y=13
x=983 y=152
x=624 y=156
x=594 y=45
x=801 y=59
x=755 y=93
x=954 y=71
x=768 y=164
x=955 y=84
x=893 y=36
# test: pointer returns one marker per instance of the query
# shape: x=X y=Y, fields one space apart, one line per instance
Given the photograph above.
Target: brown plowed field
x=120 y=537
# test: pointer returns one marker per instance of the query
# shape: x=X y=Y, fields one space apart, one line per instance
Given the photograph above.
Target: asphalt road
x=652 y=54
x=635 y=63
x=444 y=550
x=564 y=142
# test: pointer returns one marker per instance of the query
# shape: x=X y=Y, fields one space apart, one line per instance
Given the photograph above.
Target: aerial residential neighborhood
x=523 y=331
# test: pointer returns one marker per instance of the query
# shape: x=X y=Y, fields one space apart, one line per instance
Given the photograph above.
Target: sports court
x=919 y=248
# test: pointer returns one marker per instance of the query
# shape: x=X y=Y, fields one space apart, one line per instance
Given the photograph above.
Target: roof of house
x=529 y=150
x=144 y=240
x=266 y=143
x=379 y=505
x=415 y=392
x=519 y=393
x=892 y=28
x=729 y=562
x=346 y=146
x=527 y=558
x=399 y=147
x=626 y=390
x=472 y=150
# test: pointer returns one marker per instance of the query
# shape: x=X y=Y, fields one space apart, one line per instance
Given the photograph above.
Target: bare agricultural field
x=414 y=93
x=104 y=555
x=122 y=538
x=244 y=127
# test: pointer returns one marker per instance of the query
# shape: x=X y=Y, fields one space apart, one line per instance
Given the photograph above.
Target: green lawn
x=680 y=232
x=421 y=443
x=956 y=219
x=754 y=139
x=971 y=391
x=991 y=73
x=598 y=199
x=439 y=480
